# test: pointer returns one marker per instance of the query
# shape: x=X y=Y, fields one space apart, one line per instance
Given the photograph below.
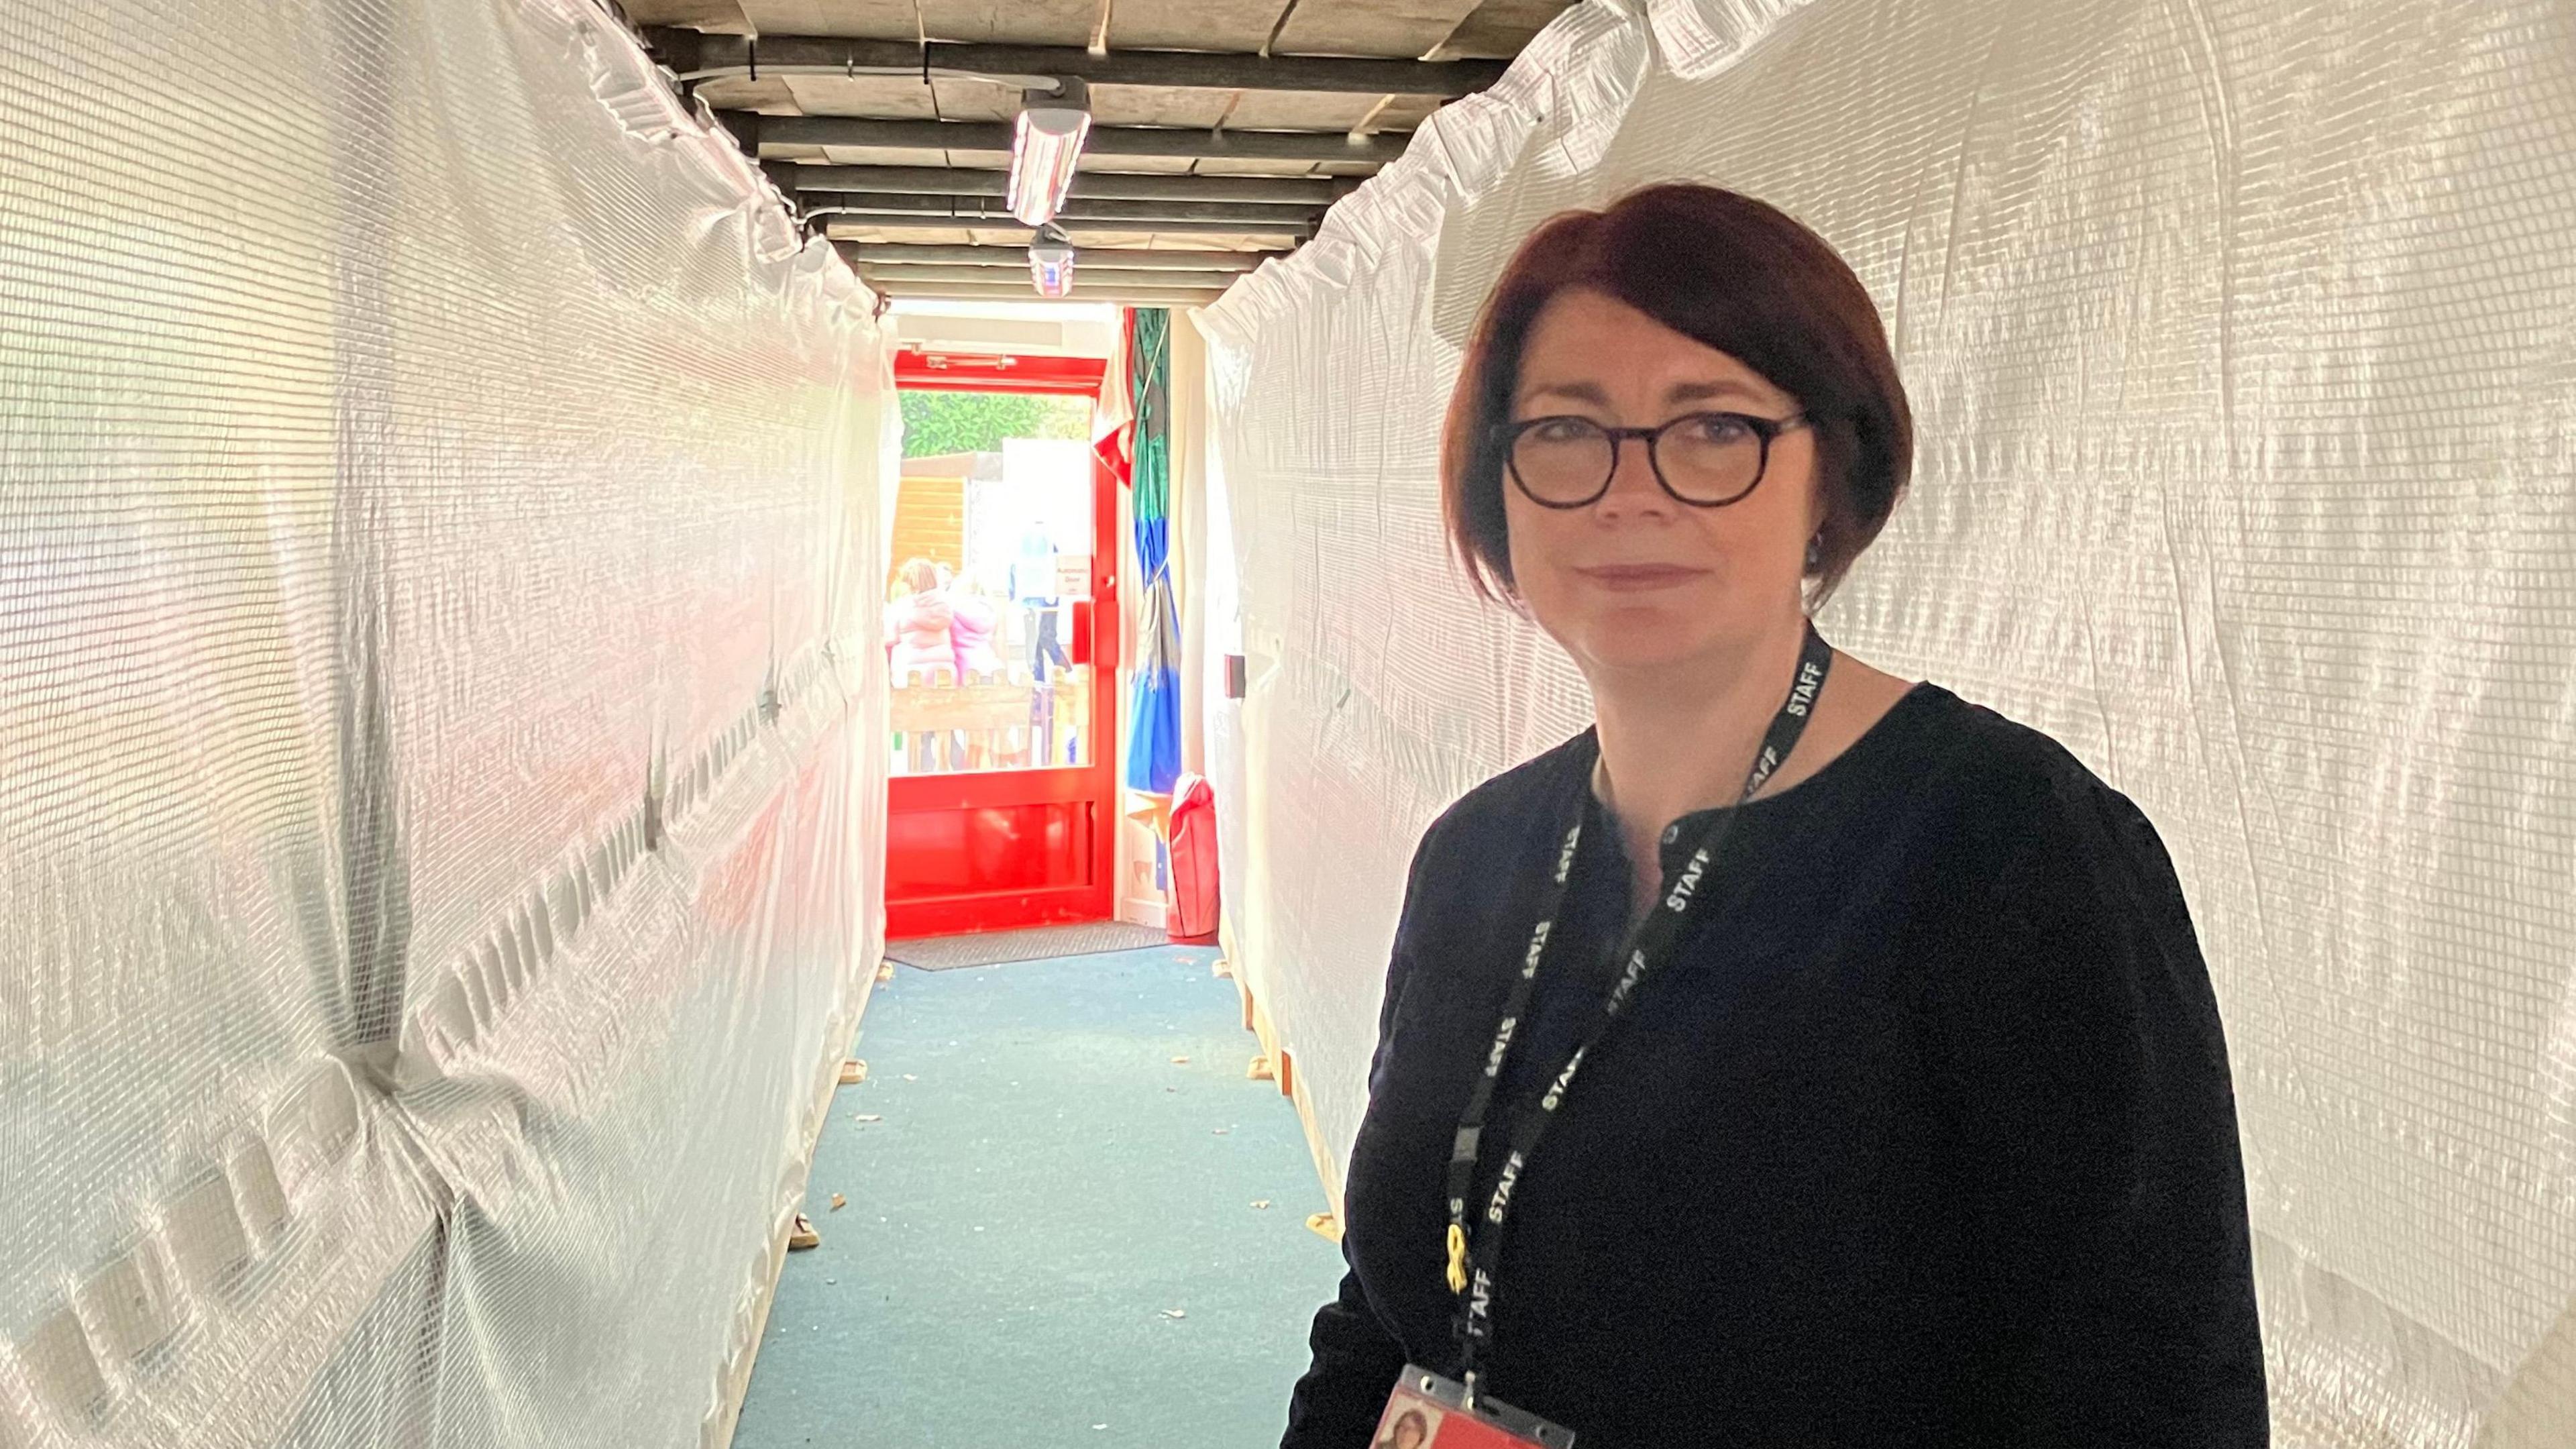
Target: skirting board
x=1256 y=1018
x=738 y=1386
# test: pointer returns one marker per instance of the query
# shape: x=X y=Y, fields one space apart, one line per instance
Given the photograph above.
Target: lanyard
x=1648 y=947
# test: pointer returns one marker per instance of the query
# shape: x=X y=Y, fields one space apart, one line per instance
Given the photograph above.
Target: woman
x=917 y=623
x=1900 y=1114
x=972 y=619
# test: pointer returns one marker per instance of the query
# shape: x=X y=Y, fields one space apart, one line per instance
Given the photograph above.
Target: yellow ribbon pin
x=1457 y=1259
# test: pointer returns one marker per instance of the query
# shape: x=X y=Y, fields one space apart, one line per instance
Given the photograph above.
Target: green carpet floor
x=1050 y=1236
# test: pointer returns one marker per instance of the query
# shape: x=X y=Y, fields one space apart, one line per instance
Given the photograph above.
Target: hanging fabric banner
x=1154 y=696
x=1113 y=417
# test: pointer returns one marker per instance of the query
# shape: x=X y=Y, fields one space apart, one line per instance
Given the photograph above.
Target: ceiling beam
x=1086 y=267
x=1021 y=291
x=706 y=57
x=898 y=255
x=1087 y=185
x=921 y=221
x=1252 y=214
x=1103 y=141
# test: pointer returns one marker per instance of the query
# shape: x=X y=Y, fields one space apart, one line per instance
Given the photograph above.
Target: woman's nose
x=1632 y=480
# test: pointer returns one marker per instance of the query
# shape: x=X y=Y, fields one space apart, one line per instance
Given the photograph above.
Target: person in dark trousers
x=1802 y=1055
x=1033 y=584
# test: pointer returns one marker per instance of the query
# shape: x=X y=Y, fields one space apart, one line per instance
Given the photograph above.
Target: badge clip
x=1427 y=1411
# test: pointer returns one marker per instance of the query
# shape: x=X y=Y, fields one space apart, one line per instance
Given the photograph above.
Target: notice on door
x=1073 y=575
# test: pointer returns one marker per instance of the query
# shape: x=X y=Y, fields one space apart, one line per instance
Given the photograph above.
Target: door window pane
x=992 y=550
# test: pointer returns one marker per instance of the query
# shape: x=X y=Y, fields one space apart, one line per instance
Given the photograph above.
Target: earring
x=1815 y=552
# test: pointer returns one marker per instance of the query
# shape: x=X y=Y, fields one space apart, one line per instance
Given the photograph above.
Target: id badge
x=1427 y=1411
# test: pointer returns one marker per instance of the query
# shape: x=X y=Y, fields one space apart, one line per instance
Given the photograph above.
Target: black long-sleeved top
x=1923 y=1137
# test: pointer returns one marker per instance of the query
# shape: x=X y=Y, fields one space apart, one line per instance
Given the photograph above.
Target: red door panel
x=988 y=849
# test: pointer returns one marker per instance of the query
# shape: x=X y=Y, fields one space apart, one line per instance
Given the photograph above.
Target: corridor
x=543 y=540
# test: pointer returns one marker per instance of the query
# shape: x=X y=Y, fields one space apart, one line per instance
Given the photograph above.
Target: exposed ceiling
x=1221 y=129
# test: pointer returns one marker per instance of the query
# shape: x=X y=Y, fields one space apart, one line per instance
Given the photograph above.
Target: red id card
x=1427 y=1411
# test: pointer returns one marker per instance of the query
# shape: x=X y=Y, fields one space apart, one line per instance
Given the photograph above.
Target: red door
x=1002 y=649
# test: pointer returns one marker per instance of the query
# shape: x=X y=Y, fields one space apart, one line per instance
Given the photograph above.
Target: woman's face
x=1639 y=579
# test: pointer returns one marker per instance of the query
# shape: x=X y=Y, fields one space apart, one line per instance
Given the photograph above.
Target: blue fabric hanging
x=1154 y=694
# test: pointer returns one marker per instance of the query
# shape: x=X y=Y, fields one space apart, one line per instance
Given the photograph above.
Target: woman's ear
x=1819 y=511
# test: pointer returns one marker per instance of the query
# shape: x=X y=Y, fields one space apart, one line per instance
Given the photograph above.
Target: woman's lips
x=1636 y=578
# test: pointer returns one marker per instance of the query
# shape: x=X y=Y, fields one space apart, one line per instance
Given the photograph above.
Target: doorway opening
x=1002 y=649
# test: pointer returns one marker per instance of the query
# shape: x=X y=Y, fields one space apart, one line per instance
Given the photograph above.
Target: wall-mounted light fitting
x=1045 y=145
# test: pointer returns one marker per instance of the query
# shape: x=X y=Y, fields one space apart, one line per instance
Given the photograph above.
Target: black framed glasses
x=1707 y=460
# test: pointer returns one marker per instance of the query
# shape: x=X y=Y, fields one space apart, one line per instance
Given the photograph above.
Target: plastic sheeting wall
x=439 y=562
x=2238 y=335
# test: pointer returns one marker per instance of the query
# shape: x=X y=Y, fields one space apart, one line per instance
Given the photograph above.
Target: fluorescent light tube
x=1046 y=143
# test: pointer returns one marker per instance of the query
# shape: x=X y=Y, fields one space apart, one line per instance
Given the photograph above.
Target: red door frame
x=1096 y=782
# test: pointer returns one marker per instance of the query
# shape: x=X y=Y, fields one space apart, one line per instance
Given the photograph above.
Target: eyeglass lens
x=1705 y=458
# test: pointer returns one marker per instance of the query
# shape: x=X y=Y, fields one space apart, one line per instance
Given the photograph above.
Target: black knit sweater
x=1925 y=1137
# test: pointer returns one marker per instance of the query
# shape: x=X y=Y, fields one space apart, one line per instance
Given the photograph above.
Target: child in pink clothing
x=971 y=620
x=918 y=624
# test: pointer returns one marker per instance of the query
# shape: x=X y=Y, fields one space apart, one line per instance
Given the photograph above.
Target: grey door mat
x=947 y=953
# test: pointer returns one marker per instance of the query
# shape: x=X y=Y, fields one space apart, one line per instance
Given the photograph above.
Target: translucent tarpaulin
x=2238 y=335
x=439 y=569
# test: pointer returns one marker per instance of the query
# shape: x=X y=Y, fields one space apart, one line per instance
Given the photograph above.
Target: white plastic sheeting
x=2238 y=335
x=439 y=570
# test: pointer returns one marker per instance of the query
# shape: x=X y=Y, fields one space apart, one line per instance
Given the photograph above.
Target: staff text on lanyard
x=1471 y=1256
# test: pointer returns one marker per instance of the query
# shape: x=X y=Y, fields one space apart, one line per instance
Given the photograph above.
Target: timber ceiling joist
x=699 y=57
x=989 y=210
x=1130 y=259
x=1087 y=186
x=1105 y=142
x=1087 y=231
x=1221 y=132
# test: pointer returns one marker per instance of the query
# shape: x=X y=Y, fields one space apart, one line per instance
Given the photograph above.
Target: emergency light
x=1051 y=262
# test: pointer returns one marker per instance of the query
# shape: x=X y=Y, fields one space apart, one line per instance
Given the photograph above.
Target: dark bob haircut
x=1724 y=270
